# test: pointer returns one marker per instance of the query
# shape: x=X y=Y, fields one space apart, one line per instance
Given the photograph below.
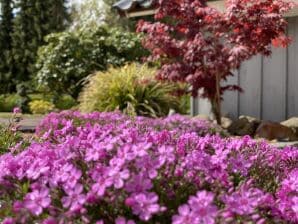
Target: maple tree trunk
x=216 y=102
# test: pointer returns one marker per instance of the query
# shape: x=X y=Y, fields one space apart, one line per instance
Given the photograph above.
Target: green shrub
x=70 y=56
x=62 y=102
x=65 y=102
x=131 y=89
x=8 y=102
x=41 y=107
x=40 y=96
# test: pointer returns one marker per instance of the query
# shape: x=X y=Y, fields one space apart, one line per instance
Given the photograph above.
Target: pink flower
x=185 y=216
x=202 y=207
x=118 y=177
x=37 y=200
x=152 y=163
x=138 y=184
x=245 y=201
x=287 y=197
x=99 y=222
x=8 y=220
x=50 y=220
x=75 y=198
x=149 y=165
x=100 y=186
x=17 y=110
x=144 y=205
x=122 y=220
x=240 y=164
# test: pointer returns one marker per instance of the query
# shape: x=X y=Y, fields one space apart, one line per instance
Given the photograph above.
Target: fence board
x=270 y=85
x=230 y=98
x=250 y=78
x=274 y=85
x=292 y=109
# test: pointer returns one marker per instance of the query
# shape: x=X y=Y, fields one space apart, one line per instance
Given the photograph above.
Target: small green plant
x=131 y=89
x=41 y=107
x=9 y=136
x=8 y=139
x=65 y=102
x=8 y=102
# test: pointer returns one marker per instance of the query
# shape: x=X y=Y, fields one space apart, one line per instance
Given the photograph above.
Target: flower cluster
x=110 y=168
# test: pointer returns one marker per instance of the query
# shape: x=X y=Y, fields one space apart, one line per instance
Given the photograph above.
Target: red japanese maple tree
x=200 y=45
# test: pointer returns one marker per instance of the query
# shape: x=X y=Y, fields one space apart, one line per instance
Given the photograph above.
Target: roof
x=128 y=5
x=135 y=8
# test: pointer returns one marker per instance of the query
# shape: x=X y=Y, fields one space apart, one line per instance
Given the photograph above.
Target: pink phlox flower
x=50 y=220
x=202 y=207
x=75 y=198
x=70 y=175
x=144 y=205
x=95 y=152
x=239 y=164
x=245 y=200
x=17 y=110
x=9 y=220
x=149 y=165
x=118 y=176
x=185 y=216
x=37 y=168
x=37 y=200
x=138 y=183
x=122 y=220
x=101 y=184
x=166 y=154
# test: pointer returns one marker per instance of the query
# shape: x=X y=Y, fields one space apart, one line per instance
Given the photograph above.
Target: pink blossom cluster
x=109 y=168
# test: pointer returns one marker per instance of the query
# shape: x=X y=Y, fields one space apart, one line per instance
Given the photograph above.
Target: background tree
x=200 y=45
x=58 y=15
x=89 y=13
x=34 y=20
x=112 y=17
x=6 y=28
x=94 y=13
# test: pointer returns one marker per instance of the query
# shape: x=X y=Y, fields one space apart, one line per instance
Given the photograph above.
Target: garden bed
x=111 y=168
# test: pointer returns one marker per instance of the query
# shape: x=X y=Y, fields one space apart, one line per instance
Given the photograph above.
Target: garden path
x=28 y=123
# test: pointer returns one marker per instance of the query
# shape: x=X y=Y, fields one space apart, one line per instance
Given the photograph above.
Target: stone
x=226 y=122
x=284 y=144
x=291 y=123
x=171 y=112
x=273 y=130
x=202 y=117
x=243 y=126
x=250 y=119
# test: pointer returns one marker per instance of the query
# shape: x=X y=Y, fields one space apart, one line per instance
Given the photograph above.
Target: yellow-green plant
x=41 y=106
x=131 y=89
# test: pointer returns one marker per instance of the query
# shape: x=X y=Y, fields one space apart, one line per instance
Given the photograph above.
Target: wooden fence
x=270 y=85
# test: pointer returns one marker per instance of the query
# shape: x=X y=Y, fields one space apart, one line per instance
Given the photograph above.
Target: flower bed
x=109 y=168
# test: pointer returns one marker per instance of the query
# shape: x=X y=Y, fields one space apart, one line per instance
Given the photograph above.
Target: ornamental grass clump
x=133 y=90
x=111 y=168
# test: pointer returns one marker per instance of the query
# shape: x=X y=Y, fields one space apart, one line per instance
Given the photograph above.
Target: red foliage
x=195 y=42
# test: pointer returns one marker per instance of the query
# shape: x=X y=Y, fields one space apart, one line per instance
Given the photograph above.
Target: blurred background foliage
x=70 y=56
x=49 y=48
